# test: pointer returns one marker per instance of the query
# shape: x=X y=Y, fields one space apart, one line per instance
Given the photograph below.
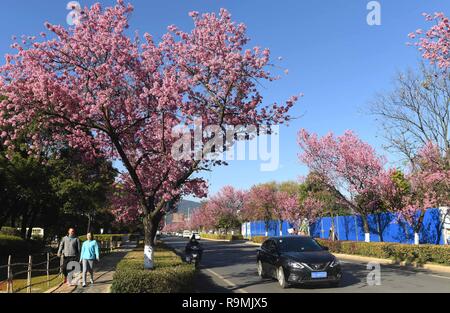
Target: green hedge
x=11 y=245
x=259 y=239
x=113 y=237
x=107 y=237
x=171 y=274
x=10 y=231
x=399 y=252
x=16 y=246
x=222 y=237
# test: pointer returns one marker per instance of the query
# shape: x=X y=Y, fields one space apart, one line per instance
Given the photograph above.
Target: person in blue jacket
x=89 y=254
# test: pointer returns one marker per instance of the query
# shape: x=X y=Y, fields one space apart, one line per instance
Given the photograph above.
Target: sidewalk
x=104 y=273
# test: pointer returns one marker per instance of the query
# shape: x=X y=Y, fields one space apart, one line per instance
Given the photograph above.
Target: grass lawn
x=40 y=281
x=163 y=258
x=170 y=275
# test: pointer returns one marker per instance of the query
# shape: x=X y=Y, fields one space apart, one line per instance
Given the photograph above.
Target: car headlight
x=296 y=265
x=335 y=263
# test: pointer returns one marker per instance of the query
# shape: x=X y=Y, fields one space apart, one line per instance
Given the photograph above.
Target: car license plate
x=318 y=275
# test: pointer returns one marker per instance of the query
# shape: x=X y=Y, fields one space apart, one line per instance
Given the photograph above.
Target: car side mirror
x=326 y=248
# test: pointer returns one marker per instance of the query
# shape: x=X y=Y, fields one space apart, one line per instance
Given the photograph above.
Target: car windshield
x=299 y=245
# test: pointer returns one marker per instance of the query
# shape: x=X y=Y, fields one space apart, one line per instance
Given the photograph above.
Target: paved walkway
x=104 y=273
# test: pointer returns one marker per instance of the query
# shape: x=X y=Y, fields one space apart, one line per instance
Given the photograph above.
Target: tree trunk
x=366 y=228
x=380 y=230
x=151 y=224
x=418 y=227
x=149 y=242
x=89 y=224
x=416 y=239
x=31 y=225
x=14 y=221
x=333 y=229
x=23 y=229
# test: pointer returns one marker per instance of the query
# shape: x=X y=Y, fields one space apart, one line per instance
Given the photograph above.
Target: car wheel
x=281 y=278
x=261 y=273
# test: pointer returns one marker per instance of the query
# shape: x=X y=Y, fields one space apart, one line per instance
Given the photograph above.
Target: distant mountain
x=185 y=207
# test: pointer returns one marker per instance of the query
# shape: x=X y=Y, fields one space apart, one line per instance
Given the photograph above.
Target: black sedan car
x=297 y=260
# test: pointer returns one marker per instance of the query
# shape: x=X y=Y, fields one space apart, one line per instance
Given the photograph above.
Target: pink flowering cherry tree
x=226 y=206
x=298 y=212
x=200 y=220
x=221 y=211
x=261 y=204
x=96 y=89
x=349 y=167
x=287 y=204
x=429 y=177
x=428 y=187
x=434 y=43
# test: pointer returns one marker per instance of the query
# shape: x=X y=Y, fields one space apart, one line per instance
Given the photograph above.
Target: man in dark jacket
x=70 y=249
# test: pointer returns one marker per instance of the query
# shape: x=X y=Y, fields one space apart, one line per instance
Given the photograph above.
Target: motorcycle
x=194 y=256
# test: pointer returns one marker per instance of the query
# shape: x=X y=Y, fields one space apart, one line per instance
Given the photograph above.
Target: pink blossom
x=349 y=167
x=435 y=42
x=95 y=89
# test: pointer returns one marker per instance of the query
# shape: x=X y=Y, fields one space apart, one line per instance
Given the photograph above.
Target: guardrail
x=106 y=247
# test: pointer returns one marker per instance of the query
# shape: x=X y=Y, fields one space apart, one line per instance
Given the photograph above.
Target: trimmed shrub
x=11 y=245
x=259 y=239
x=222 y=237
x=171 y=274
x=16 y=246
x=398 y=252
x=106 y=237
x=10 y=231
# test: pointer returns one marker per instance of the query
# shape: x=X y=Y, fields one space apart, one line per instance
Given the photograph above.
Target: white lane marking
x=437 y=276
x=345 y=262
x=241 y=290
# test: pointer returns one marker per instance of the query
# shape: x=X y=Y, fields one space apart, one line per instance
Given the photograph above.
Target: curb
x=217 y=240
x=254 y=243
x=427 y=266
x=436 y=268
x=224 y=240
x=364 y=259
x=69 y=290
x=53 y=289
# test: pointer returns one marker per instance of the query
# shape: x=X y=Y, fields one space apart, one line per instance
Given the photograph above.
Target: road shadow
x=205 y=284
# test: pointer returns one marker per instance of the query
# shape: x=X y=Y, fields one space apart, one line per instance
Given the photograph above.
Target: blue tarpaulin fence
x=351 y=228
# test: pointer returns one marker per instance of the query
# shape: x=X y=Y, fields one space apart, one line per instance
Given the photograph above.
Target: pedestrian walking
x=89 y=254
x=69 y=249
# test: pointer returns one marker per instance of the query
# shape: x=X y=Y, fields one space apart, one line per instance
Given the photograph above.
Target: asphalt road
x=231 y=268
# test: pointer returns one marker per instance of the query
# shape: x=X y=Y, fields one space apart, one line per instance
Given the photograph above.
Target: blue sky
x=334 y=57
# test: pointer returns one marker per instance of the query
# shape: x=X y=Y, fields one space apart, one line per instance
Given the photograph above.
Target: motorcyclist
x=194 y=245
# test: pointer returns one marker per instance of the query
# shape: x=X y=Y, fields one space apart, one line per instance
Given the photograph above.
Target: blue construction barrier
x=258 y=228
x=350 y=228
